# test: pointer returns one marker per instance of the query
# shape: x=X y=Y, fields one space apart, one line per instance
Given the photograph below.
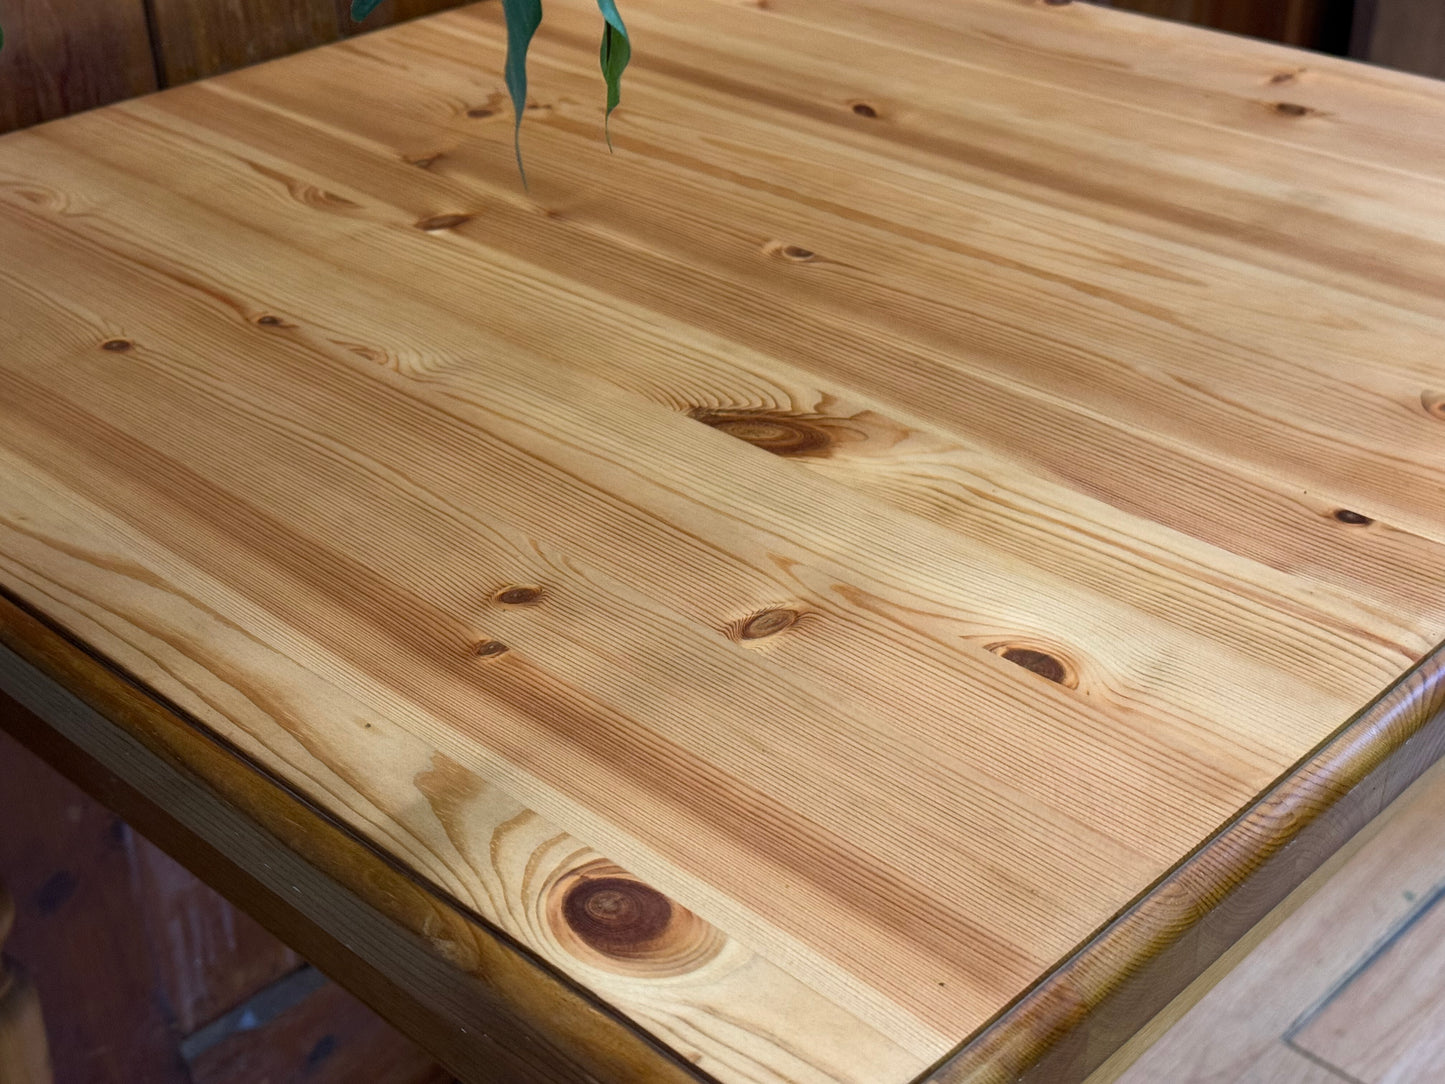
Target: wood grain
x=62 y=56
x=950 y=461
x=418 y=957
x=199 y=38
x=462 y=985
x=208 y=956
x=137 y=956
x=1079 y=1014
x=68 y=862
x=1385 y=1025
x=1241 y=1030
x=1404 y=34
x=24 y=1053
x=328 y=1036
x=1295 y=22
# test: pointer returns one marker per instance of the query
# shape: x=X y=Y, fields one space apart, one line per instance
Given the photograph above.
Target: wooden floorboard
x=136 y=960
x=1348 y=988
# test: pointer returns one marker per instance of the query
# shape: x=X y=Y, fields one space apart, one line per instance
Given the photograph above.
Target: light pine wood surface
x=800 y=575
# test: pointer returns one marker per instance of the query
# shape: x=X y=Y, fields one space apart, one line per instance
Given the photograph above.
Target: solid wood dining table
x=886 y=576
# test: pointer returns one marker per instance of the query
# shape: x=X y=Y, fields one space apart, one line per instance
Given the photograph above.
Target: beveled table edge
x=1057 y=1032
x=1079 y=1014
x=506 y=1015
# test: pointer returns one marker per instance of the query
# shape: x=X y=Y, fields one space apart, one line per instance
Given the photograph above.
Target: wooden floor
x=1350 y=988
x=146 y=976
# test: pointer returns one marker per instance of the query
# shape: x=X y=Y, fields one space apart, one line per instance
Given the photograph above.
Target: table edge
x=1083 y=1010
x=1058 y=1031
x=563 y=1030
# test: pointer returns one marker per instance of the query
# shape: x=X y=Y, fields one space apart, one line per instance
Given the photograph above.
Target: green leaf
x=360 y=9
x=523 y=18
x=616 y=52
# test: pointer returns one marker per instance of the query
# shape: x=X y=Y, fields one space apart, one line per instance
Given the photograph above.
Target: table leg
x=24 y=1056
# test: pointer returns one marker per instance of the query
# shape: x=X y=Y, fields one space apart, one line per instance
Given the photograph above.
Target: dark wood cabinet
x=146 y=975
x=63 y=56
x=197 y=38
x=1312 y=24
x=1404 y=34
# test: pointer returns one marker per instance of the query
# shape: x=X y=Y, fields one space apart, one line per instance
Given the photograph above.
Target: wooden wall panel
x=208 y=956
x=1404 y=34
x=79 y=932
x=137 y=961
x=62 y=56
x=328 y=1036
x=1314 y=24
x=392 y=11
x=197 y=38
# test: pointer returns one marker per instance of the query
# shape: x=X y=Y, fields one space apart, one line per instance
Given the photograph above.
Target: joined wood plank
x=904 y=509
x=63 y=56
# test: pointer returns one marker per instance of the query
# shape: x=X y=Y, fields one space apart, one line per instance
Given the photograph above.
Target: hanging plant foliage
x=523 y=17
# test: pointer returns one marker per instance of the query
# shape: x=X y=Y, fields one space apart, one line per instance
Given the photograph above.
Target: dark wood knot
x=1048 y=665
x=117 y=346
x=1292 y=109
x=1058 y=3
x=489 y=649
x=269 y=321
x=782 y=250
x=863 y=109
x=1281 y=78
x=772 y=431
x=438 y=223
x=768 y=623
x=1355 y=519
x=518 y=595
x=617 y=916
x=608 y=917
x=478 y=112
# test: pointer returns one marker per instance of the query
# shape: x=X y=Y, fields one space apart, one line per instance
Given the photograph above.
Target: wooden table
x=885 y=577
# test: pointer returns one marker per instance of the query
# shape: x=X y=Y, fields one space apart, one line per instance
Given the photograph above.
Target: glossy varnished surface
x=819 y=564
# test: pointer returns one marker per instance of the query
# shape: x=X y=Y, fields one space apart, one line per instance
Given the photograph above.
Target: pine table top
x=929 y=518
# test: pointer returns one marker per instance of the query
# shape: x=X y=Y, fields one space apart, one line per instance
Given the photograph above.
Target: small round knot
x=607 y=917
x=1355 y=519
x=616 y=915
x=117 y=346
x=797 y=253
x=768 y=623
x=772 y=431
x=520 y=595
x=1045 y=664
x=489 y=649
x=863 y=109
x=439 y=223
